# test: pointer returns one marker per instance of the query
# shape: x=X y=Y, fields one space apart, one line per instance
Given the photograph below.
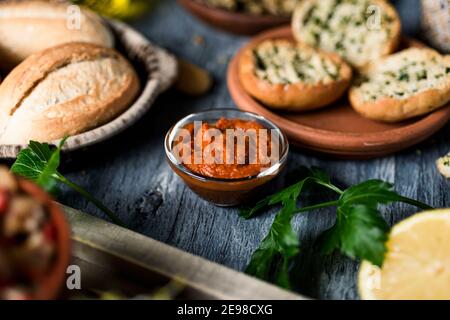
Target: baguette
x=358 y=30
x=63 y=91
x=27 y=27
x=410 y=83
x=290 y=76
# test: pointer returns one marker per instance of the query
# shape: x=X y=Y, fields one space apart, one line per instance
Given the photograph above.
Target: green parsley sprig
x=39 y=163
x=360 y=232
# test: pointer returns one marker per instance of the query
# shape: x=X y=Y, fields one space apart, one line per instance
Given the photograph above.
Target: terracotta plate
x=234 y=22
x=338 y=129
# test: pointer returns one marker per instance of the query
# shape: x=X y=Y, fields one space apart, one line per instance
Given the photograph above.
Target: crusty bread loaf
x=358 y=30
x=286 y=75
x=64 y=90
x=27 y=27
x=410 y=83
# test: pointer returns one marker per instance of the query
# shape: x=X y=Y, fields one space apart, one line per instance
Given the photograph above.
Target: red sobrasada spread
x=247 y=156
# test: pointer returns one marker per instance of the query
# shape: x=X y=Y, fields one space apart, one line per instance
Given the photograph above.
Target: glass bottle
x=119 y=9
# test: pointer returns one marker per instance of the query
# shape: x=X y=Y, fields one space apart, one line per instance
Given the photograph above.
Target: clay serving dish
x=226 y=192
x=51 y=285
x=157 y=70
x=233 y=22
x=337 y=129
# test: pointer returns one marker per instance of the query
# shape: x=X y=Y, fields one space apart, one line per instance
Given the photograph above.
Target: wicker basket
x=157 y=69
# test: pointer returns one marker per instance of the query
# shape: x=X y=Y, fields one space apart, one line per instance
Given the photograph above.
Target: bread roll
x=64 y=90
x=27 y=27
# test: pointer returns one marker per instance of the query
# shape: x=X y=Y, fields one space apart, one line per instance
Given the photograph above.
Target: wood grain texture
x=131 y=175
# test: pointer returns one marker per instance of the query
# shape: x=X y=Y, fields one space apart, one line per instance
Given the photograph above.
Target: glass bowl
x=219 y=191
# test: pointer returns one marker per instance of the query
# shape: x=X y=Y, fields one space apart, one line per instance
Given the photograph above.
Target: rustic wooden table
x=132 y=177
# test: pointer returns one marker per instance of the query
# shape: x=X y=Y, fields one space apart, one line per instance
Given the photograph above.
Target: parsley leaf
x=359 y=231
x=281 y=244
x=39 y=163
x=291 y=192
x=308 y=175
x=374 y=192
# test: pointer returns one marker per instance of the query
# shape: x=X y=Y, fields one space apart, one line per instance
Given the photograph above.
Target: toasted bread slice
x=285 y=75
x=410 y=83
x=443 y=165
x=358 y=30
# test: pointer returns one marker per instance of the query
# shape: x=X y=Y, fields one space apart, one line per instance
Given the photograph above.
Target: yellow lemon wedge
x=417 y=263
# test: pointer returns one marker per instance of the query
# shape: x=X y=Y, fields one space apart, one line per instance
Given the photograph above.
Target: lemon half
x=417 y=263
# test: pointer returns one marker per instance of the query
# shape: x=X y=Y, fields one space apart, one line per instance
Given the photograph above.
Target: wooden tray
x=337 y=129
x=157 y=70
x=115 y=259
x=234 y=22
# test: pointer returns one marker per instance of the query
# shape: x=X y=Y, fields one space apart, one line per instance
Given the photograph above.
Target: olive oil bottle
x=119 y=9
x=436 y=23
